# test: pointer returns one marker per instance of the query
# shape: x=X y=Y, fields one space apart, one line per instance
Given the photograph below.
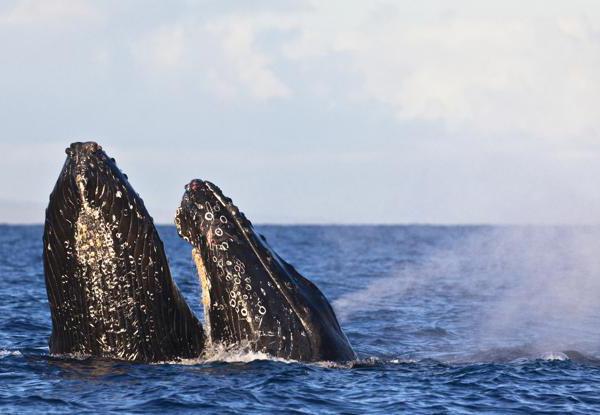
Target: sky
x=336 y=111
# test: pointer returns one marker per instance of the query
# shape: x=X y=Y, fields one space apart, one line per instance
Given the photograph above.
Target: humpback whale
x=251 y=296
x=108 y=282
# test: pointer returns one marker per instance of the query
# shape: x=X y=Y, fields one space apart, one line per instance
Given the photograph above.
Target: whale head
x=107 y=277
x=250 y=295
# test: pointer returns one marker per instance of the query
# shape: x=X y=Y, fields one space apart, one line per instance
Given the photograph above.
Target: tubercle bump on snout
x=83 y=148
x=202 y=191
x=198 y=217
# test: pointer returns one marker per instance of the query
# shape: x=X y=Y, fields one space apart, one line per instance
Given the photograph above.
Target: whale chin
x=108 y=282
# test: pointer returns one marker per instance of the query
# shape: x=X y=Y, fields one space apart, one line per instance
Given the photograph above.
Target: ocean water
x=444 y=319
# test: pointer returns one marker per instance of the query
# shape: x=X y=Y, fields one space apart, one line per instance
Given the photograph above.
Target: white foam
x=402 y=361
x=4 y=353
x=238 y=354
x=242 y=356
x=73 y=356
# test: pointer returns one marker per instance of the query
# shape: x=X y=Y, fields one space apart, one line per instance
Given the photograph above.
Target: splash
x=239 y=354
x=218 y=353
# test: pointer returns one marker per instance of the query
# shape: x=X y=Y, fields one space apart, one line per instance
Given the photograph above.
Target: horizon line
x=424 y=224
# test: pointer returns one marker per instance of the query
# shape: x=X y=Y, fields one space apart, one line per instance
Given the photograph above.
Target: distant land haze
x=21 y=212
x=32 y=213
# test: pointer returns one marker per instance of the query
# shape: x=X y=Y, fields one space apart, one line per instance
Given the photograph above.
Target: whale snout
x=194 y=185
x=200 y=190
x=200 y=211
x=85 y=148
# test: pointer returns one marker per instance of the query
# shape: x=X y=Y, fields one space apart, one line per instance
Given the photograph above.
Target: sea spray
x=530 y=286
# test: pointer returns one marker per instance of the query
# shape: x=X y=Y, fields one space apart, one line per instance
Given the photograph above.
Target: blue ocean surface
x=475 y=319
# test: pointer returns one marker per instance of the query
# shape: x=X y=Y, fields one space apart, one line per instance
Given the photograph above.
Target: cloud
x=505 y=69
x=164 y=48
x=250 y=67
x=47 y=11
x=221 y=56
x=535 y=73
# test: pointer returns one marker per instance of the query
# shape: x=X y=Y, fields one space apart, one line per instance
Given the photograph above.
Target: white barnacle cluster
x=243 y=298
x=110 y=303
x=215 y=259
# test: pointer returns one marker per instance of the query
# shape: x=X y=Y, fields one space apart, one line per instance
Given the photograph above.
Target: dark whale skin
x=109 y=287
x=252 y=298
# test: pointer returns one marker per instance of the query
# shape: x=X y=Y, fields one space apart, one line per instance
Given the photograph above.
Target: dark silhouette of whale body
x=108 y=282
x=252 y=298
x=111 y=294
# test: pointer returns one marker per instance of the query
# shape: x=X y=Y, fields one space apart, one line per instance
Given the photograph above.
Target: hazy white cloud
x=221 y=56
x=530 y=73
x=246 y=63
x=500 y=70
x=163 y=49
x=47 y=11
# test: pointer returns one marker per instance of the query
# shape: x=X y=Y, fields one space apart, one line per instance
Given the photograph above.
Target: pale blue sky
x=312 y=111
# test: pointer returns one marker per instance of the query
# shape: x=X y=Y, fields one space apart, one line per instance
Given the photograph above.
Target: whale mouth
x=108 y=281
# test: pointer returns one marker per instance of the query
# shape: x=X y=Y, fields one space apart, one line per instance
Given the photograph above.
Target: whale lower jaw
x=205 y=285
